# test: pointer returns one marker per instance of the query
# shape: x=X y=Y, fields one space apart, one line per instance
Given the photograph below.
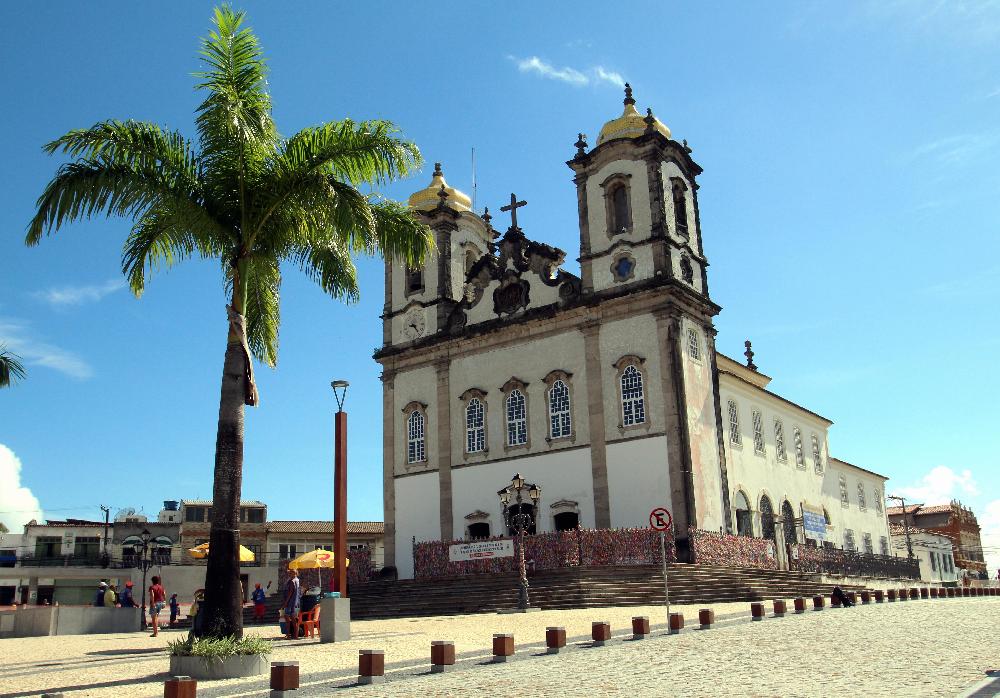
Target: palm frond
x=262 y=308
x=11 y=368
x=399 y=235
x=327 y=262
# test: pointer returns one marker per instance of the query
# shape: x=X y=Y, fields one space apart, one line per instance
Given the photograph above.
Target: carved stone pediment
x=511 y=295
x=478 y=514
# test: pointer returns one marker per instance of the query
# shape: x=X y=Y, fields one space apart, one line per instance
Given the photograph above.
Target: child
x=175 y=609
x=193 y=614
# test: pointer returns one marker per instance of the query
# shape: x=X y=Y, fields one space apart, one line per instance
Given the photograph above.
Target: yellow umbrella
x=200 y=552
x=315 y=560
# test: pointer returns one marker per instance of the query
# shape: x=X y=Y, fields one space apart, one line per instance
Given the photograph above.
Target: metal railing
x=847 y=563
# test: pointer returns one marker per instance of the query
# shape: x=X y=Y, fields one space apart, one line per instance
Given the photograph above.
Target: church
x=605 y=389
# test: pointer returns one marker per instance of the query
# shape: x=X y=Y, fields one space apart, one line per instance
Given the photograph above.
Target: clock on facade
x=413 y=324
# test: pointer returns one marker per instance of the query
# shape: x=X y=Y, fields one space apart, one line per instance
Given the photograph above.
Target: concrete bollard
x=442 y=656
x=555 y=639
x=371 y=666
x=879 y=596
x=934 y=592
x=924 y=592
x=834 y=601
x=799 y=604
x=951 y=592
x=706 y=618
x=818 y=603
x=852 y=596
x=780 y=608
x=600 y=632
x=756 y=611
x=891 y=594
x=640 y=627
x=503 y=647
x=284 y=678
x=174 y=687
x=866 y=597
x=914 y=593
x=675 y=623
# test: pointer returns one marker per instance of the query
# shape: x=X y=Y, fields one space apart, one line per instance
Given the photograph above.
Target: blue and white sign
x=814 y=524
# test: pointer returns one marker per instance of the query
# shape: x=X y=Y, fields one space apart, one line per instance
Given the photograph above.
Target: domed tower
x=636 y=193
x=419 y=300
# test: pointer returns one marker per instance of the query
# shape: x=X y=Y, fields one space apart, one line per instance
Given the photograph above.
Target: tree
x=3 y=527
x=11 y=368
x=252 y=200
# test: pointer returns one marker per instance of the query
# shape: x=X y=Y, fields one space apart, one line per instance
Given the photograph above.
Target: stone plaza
x=913 y=648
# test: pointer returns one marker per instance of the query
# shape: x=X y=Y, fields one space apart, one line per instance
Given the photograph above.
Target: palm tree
x=11 y=368
x=250 y=199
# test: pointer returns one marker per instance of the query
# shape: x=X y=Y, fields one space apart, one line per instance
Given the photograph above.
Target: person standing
x=175 y=609
x=99 y=598
x=126 y=599
x=110 y=597
x=258 y=597
x=157 y=600
x=291 y=604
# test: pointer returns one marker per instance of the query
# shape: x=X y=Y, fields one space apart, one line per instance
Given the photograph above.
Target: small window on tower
x=623 y=267
x=414 y=280
x=680 y=208
x=620 y=218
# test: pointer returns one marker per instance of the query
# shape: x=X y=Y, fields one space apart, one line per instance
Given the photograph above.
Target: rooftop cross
x=514 y=205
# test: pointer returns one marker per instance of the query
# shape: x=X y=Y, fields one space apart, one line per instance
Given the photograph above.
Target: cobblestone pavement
x=916 y=648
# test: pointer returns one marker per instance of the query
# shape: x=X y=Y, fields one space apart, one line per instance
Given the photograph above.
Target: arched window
x=788 y=522
x=633 y=402
x=470 y=260
x=621 y=220
x=560 y=421
x=878 y=501
x=779 y=441
x=694 y=344
x=480 y=529
x=680 y=208
x=475 y=426
x=766 y=518
x=416 y=451
x=758 y=432
x=744 y=524
x=566 y=520
x=517 y=419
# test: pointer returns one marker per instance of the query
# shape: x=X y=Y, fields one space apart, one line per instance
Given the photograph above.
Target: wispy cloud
x=566 y=74
x=940 y=486
x=963 y=20
x=18 y=337
x=956 y=150
x=63 y=296
x=981 y=283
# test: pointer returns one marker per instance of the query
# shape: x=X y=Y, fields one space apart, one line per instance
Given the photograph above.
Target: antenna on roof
x=473 y=179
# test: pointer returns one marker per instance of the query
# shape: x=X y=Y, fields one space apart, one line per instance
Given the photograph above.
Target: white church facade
x=604 y=389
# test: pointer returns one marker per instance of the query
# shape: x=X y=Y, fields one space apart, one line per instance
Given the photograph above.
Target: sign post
x=660 y=520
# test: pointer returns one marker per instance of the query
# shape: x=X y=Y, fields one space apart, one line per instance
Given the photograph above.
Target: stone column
x=443 y=368
x=710 y=333
x=389 y=417
x=598 y=437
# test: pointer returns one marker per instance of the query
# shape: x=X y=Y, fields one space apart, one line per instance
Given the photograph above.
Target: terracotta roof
x=896 y=530
x=356 y=527
x=918 y=509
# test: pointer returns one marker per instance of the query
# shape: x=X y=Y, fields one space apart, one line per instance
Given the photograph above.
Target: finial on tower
x=650 y=120
x=628 y=95
x=749 y=354
x=581 y=144
x=437 y=170
x=687 y=148
x=487 y=218
x=442 y=194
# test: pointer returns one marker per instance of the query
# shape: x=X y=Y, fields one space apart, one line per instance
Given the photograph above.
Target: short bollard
x=799 y=604
x=284 y=677
x=371 y=666
x=980 y=591
x=818 y=603
x=675 y=623
x=706 y=618
x=756 y=611
x=503 y=647
x=555 y=639
x=891 y=594
x=442 y=656
x=174 y=687
x=951 y=592
x=866 y=597
x=852 y=596
x=640 y=627
x=879 y=596
x=943 y=593
x=924 y=592
x=914 y=593
x=834 y=601
x=600 y=632
x=780 y=608
x=934 y=592
x=993 y=591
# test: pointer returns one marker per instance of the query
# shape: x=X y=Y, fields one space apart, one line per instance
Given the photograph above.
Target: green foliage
x=219 y=648
x=11 y=368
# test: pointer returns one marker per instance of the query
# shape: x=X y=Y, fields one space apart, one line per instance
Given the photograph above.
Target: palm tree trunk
x=223 y=604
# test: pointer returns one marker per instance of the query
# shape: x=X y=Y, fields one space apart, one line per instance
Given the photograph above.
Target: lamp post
x=340 y=489
x=520 y=521
x=144 y=563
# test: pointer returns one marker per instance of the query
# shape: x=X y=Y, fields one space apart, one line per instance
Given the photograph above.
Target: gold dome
x=631 y=124
x=426 y=199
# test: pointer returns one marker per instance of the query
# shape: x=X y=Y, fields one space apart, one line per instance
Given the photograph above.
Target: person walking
x=175 y=609
x=292 y=599
x=102 y=588
x=258 y=597
x=157 y=600
x=110 y=597
x=126 y=599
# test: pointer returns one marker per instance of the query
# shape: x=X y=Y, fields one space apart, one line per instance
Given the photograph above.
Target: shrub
x=219 y=648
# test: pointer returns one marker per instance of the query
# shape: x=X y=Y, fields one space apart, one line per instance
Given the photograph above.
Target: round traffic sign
x=660 y=519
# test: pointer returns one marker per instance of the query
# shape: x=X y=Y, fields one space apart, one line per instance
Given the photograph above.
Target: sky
x=848 y=206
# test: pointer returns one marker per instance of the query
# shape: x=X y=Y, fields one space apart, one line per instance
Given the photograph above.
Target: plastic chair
x=309 y=621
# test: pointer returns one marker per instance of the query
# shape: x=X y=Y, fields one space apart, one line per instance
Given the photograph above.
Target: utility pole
x=105 y=555
x=906 y=525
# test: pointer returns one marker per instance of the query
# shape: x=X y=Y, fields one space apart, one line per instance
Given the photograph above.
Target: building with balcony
x=955 y=521
x=196 y=524
x=288 y=539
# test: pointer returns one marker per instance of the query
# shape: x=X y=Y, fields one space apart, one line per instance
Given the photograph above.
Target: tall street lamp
x=340 y=489
x=144 y=563
x=516 y=518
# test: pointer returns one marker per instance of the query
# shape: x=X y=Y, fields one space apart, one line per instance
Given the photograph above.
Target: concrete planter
x=209 y=669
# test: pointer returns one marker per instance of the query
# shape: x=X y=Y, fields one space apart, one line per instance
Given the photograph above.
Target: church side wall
x=702 y=429
x=638 y=480
x=851 y=517
x=419 y=385
x=417 y=516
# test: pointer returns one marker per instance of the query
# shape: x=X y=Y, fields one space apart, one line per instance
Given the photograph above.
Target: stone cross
x=514 y=205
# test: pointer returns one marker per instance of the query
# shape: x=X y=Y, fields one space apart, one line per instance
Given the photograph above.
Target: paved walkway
x=916 y=648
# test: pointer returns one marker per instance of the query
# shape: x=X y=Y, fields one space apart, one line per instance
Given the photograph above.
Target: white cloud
x=18 y=505
x=940 y=486
x=17 y=337
x=989 y=533
x=570 y=76
x=956 y=150
x=78 y=295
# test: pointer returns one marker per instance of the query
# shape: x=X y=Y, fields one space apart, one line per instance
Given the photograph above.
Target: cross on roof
x=514 y=205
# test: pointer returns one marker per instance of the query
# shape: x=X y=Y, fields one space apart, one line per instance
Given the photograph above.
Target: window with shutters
x=779 y=441
x=862 y=504
x=817 y=455
x=800 y=458
x=734 y=424
x=694 y=344
x=758 y=432
x=845 y=500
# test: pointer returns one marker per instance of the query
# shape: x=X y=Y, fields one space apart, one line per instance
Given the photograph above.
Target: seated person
x=309 y=599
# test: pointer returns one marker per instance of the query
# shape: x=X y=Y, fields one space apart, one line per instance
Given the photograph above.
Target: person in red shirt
x=157 y=600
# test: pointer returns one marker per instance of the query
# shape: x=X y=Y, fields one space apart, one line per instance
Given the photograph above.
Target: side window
x=734 y=424
x=694 y=344
x=680 y=207
x=560 y=417
x=414 y=280
x=517 y=419
x=633 y=400
x=475 y=426
x=416 y=451
x=779 y=441
x=758 y=433
x=620 y=215
x=800 y=459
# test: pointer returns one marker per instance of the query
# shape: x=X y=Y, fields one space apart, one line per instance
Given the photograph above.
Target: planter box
x=206 y=669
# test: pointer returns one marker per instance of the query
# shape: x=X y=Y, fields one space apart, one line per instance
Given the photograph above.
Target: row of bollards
x=371 y=662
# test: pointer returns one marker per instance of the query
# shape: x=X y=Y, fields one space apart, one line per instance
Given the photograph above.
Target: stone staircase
x=580 y=588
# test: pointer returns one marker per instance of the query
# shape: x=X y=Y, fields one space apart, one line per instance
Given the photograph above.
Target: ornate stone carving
x=511 y=295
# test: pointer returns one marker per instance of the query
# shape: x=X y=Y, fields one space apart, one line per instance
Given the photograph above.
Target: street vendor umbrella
x=315 y=560
x=200 y=552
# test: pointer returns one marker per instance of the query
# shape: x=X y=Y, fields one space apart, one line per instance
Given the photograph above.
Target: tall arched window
x=475 y=426
x=633 y=401
x=415 y=449
x=766 y=518
x=517 y=419
x=560 y=421
x=471 y=257
x=757 y=422
x=817 y=456
x=621 y=220
x=744 y=524
x=788 y=522
x=680 y=208
x=735 y=438
x=800 y=459
x=862 y=504
x=779 y=441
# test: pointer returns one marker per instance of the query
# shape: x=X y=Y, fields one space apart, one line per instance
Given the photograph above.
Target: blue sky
x=849 y=207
